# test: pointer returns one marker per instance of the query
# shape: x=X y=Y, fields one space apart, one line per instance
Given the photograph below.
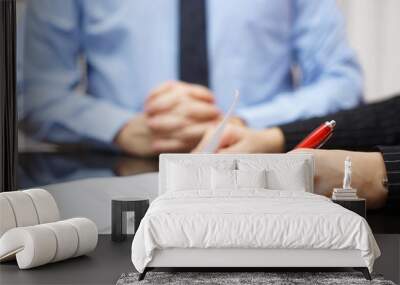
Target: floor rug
x=229 y=278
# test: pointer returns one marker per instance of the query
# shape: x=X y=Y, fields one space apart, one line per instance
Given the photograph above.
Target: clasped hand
x=175 y=117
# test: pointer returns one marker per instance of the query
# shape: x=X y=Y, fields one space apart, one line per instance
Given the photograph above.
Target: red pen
x=319 y=136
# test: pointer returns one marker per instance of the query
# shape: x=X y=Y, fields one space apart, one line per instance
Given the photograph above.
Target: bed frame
x=240 y=259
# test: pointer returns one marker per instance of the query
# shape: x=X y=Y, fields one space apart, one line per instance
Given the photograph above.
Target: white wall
x=373 y=29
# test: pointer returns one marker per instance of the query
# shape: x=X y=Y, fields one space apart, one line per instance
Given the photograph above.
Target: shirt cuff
x=253 y=119
x=391 y=158
x=105 y=125
x=262 y=116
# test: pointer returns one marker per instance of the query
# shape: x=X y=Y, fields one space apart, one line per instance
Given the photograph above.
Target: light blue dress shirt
x=131 y=46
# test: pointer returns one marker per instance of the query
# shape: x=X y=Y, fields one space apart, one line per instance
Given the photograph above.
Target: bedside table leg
x=116 y=222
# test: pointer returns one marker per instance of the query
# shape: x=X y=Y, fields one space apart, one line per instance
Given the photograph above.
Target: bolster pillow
x=40 y=244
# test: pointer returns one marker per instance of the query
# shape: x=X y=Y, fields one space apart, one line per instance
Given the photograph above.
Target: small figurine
x=346 y=192
x=347 y=173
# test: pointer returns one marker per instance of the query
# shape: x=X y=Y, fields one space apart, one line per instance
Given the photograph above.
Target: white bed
x=196 y=224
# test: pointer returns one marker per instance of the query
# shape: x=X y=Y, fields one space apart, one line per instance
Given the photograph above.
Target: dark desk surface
x=110 y=260
x=38 y=169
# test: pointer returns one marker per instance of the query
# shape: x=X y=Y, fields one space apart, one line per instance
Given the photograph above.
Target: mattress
x=252 y=219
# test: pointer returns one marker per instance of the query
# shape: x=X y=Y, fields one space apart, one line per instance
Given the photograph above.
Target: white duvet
x=250 y=219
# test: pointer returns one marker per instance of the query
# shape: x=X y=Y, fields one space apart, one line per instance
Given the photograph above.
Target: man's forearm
x=74 y=118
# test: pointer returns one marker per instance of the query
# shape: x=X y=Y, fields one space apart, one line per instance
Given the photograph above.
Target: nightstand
x=358 y=206
x=122 y=209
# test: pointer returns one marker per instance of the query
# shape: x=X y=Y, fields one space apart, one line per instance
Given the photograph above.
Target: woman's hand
x=241 y=139
x=368 y=172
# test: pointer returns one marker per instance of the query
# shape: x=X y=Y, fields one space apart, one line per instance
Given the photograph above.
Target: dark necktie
x=193 y=62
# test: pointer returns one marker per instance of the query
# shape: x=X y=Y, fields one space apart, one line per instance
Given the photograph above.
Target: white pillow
x=293 y=180
x=183 y=178
x=227 y=179
x=282 y=174
x=188 y=174
x=251 y=178
x=223 y=179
